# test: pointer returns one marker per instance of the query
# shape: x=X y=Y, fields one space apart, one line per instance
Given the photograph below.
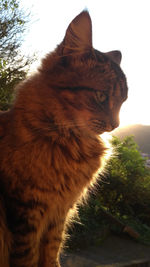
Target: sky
x=117 y=25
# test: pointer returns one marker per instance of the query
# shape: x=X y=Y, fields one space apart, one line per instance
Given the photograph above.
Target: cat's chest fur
x=63 y=167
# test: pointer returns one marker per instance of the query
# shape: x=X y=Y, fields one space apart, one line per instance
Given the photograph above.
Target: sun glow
x=131 y=114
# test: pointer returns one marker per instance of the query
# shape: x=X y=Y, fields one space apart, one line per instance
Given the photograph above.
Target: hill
x=141 y=135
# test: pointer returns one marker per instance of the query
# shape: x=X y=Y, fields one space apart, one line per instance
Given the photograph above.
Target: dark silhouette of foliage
x=13 y=65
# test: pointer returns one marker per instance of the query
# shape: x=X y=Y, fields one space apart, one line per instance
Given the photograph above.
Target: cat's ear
x=78 y=36
x=115 y=56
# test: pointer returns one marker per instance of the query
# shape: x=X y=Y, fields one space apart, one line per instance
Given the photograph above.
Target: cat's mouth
x=100 y=127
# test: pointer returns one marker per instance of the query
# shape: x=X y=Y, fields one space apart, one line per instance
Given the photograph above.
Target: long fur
x=50 y=149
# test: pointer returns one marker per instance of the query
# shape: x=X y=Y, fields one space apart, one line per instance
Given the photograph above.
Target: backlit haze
x=117 y=24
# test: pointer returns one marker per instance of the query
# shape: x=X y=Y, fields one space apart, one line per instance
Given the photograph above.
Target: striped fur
x=50 y=149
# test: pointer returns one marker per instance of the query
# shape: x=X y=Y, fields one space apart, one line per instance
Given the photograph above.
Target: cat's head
x=90 y=85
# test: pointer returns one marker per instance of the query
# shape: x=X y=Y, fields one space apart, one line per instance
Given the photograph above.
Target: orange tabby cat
x=50 y=149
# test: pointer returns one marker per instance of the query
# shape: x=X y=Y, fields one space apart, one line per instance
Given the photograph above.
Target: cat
x=50 y=148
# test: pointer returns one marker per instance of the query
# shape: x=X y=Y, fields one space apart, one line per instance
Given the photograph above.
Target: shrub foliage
x=122 y=198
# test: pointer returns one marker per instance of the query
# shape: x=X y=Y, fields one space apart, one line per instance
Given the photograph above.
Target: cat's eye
x=100 y=96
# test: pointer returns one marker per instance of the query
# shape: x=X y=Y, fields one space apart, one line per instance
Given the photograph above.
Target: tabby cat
x=50 y=149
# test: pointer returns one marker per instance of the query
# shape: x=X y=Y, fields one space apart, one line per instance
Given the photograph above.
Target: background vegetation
x=13 y=65
x=122 y=201
x=141 y=135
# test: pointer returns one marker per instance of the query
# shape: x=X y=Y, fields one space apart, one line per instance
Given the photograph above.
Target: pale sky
x=117 y=24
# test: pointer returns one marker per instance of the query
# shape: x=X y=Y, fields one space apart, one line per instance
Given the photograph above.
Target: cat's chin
x=109 y=129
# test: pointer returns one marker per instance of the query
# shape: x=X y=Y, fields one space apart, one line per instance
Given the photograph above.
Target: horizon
x=130 y=125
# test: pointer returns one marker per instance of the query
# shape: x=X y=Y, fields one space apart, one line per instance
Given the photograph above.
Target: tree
x=12 y=63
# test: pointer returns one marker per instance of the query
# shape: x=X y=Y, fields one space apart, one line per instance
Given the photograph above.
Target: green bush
x=122 y=198
x=125 y=190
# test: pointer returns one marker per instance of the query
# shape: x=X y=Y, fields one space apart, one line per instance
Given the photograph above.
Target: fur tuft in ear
x=79 y=34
